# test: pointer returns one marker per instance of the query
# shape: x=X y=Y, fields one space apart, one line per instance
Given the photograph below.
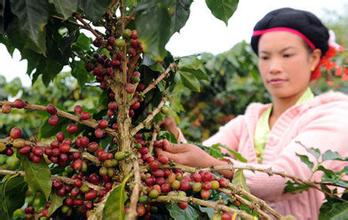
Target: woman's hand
x=170 y=125
x=188 y=154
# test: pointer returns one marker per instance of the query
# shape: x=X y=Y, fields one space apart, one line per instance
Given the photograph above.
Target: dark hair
x=302 y=21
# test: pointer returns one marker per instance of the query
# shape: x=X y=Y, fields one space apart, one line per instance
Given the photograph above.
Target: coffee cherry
x=183 y=205
x=120 y=42
x=175 y=184
x=141 y=210
x=207 y=176
x=6 y=108
x=215 y=184
x=78 y=109
x=15 y=133
x=144 y=150
x=205 y=194
x=72 y=128
x=196 y=187
x=127 y=33
x=163 y=159
x=91 y=195
x=92 y=147
x=150 y=181
x=135 y=105
x=165 y=187
x=103 y=124
x=34 y=158
x=38 y=151
x=85 y=116
x=171 y=178
x=223 y=182
x=226 y=216
x=185 y=185
x=25 y=150
x=93 y=178
x=120 y=155
x=77 y=164
x=57 y=184
x=98 y=41
x=112 y=106
x=51 y=109
x=64 y=148
x=153 y=194
x=206 y=186
x=60 y=136
x=196 y=177
x=19 y=103
x=130 y=88
x=99 y=133
x=53 y=120
x=111 y=40
x=134 y=34
x=18 y=143
x=78 y=202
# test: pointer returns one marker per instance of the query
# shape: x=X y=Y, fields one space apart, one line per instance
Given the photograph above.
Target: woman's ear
x=315 y=58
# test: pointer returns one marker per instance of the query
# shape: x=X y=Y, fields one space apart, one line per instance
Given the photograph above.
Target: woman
x=290 y=45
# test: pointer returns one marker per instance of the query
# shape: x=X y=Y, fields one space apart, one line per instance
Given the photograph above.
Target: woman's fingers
x=174 y=148
x=171 y=156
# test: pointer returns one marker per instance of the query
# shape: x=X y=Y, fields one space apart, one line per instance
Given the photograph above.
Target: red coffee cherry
x=51 y=109
x=15 y=133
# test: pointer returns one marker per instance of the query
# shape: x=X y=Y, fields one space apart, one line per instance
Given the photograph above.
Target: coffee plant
x=98 y=161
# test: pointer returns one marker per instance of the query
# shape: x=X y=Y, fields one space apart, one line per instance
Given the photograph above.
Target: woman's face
x=285 y=64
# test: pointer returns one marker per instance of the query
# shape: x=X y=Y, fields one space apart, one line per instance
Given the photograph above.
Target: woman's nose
x=275 y=66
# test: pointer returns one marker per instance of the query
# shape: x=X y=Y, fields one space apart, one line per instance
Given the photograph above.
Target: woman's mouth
x=276 y=81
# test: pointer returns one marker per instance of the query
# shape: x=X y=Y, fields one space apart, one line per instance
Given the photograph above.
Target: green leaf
x=79 y=71
x=177 y=213
x=56 y=202
x=222 y=9
x=94 y=9
x=12 y=194
x=305 y=159
x=131 y=3
x=2 y=16
x=292 y=187
x=314 y=151
x=235 y=154
x=208 y=210
x=65 y=7
x=330 y=155
x=181 y=14
x=38 y=176
x=33 y=17
x=334 y=210
x=239 y=179
x=83 y=42
x=46 y=130
x=114 y=206
x=152 y=16
x=190 y=81
x=215 y=151
x=48 y=68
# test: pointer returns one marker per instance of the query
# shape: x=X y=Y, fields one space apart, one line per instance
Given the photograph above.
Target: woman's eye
x=287 y=55
x=264 y=58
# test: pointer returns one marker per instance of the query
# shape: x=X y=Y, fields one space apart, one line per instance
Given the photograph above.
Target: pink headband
x=261 y=32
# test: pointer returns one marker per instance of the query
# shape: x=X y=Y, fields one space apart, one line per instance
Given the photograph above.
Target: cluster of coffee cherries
x=103 y=66
x=167 y=181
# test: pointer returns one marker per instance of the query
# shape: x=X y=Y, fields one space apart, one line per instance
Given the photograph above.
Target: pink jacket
x=321 y=123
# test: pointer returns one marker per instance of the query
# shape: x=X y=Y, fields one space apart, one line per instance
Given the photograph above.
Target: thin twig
x=213 y=204
x=149 y=118
x=87 y=26
x=61 y=178
x=154 y=137
x=246 y=202
x=152 y=85
x=90 y=122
